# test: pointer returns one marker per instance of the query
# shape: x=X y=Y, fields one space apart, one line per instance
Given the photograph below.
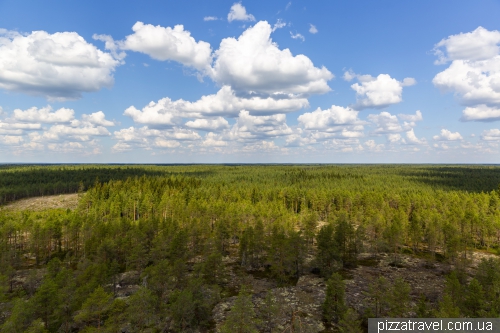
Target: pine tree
x=399 y=299
x=350 y=323
x=241 y=318
x=334 y=307
x=474 y=301
x=94 y=308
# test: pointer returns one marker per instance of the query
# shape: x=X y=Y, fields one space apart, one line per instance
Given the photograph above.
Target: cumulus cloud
x=162 y=143
x=261 y=146
x=250 y=127
x=160 y=114
x=447 y=135
x=481 y=112
x=474 y=73
x=343 y=145
x=239 y=13
x=387 y=123
x=146 y=138
x=412 y=117
x=13 y=128
x=253 y=62
x=44 y=115
x=313 y=29
x=216 y=124
x=166 y=43
x=325 y=119
x=214 y=140
x=491 y=135
x=412 y=139
x=67 y=132
x=373 y=146
x=210 y=18
x=378 y=92
x=58 y=66
x=97 y=118
x=480 y=44
x=10 y=139
x=225 y=102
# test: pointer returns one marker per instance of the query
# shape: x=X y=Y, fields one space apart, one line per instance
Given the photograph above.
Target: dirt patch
x=47 y=202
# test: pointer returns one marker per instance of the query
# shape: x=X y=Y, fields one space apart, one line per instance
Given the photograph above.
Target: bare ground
x=47 y=202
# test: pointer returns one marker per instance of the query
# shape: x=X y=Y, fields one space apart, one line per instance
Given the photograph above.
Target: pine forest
x=245 y=248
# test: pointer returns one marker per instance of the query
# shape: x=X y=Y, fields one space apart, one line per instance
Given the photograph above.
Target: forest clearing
x=251 y=248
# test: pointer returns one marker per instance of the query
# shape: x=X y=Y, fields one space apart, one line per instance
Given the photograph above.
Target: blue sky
x=244 y=82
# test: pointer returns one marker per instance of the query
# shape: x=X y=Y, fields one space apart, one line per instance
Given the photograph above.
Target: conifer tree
x=334 y=307
x=350 y=323
x=241 y=318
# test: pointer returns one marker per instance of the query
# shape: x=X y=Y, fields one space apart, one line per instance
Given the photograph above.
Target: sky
x=250 y=82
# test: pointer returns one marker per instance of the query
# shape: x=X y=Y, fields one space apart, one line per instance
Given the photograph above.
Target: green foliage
x=94 y=308
x=378 y=293
x=175 y=225
x=350 y=323
x=334 y=306
x=241 y=318
x=399 y=299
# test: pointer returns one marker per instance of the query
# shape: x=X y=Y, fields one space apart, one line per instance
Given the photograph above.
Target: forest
x=247 y=248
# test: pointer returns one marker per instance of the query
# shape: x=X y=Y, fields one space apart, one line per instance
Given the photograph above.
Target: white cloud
x=166 y=143
x=175 y=44
x=159 y=114
x=261 y=146
x=349 y=75
x=491 y=135
x=325 y=119
x=250 y=127
x=313 y=29
x=166 y=112
x=343 y=145
x=65 y=147
x=378 y=92
x=447 y=135
x=44 y=115
x=378 y=147
x=121 y=147
x=17 y=128
x=97 y=118
x=297 y=140
x=297 y=36
x=412 y=139
x=253 y=62
x=474 y=73
x=58 y=66
x=65 y=132
x=480 y=44
x=481 y=112
x=210 y=18
x=216 y=124
x=146 y=138
x=394 y=137
x=412 y=118
x=239 y=13
x=387 y=123
x=227 y=103
x=278 y=25
x=213 y=140
x=10 y=139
